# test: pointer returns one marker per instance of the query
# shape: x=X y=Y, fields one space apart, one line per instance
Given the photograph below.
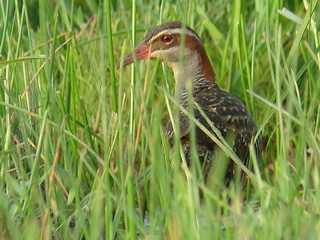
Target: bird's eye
x=167 y=38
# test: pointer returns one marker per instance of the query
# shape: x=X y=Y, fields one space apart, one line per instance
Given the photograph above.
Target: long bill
x=142 y=52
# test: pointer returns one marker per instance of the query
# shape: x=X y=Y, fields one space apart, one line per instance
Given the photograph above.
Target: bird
x=212 y=105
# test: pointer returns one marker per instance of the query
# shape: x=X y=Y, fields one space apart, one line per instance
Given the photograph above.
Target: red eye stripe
x=167 y=38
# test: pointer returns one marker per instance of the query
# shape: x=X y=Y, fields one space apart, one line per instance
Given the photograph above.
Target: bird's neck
x=194 y=71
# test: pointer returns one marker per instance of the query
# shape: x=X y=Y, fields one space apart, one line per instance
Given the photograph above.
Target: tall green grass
x=83 y=153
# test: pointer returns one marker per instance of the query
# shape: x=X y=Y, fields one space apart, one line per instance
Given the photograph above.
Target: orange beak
x=142 y=52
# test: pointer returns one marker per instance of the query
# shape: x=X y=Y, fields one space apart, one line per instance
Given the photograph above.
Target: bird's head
x=164 y=42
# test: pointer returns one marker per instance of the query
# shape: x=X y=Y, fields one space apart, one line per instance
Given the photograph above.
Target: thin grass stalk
x=111 y=57
x=108 y=205
x=130 y=217
x=5 y=16
x=7 y=140
x=243 y=63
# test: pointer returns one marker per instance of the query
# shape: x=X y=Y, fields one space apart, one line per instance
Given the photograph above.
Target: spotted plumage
x=227 y=113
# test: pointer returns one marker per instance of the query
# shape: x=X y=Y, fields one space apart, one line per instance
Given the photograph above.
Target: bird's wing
x=227 y=113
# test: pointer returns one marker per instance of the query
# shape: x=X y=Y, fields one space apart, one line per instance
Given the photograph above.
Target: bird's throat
x=187 y=72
